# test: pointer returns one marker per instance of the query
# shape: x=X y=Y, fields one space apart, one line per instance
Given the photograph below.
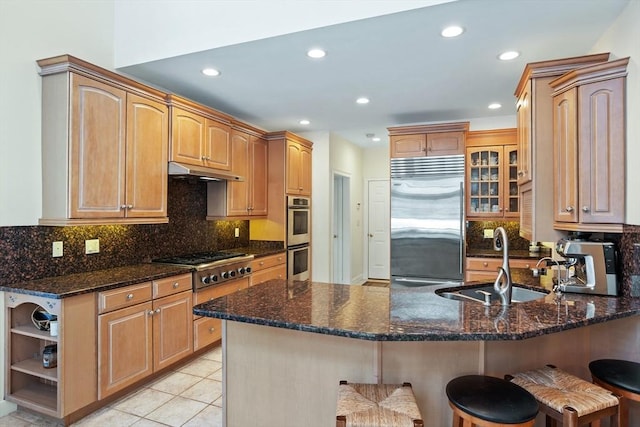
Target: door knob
x=370 y=235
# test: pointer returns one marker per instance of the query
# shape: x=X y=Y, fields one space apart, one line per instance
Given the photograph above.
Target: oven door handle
x=296 y=247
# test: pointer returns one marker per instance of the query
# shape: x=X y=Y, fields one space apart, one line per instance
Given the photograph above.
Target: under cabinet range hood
x=177 y=169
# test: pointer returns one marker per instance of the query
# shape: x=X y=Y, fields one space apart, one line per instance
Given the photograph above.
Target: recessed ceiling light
x=508 y=55
x=452 y=31
x=316 y=53
x=211 y=72
x=304 y=122
x=494 y=106
x=375 y=139
x=362 y=100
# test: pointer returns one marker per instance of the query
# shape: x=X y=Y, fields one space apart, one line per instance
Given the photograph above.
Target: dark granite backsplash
x=25 y=252
x=475 y=235
x=630 y=260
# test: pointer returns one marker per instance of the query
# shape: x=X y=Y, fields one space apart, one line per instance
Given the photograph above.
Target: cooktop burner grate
x=199 y=258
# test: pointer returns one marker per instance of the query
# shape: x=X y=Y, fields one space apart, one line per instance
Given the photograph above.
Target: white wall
x=621 y=39
x=31 y=30
x=166 y=28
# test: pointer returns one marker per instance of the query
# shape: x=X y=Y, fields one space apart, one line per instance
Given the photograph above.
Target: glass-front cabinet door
x=492 y=187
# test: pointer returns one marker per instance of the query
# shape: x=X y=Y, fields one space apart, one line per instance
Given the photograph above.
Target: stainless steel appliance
x=298 y=262
x=213 y=268
x=298 y=220
x=427 y=220
x=594 y=266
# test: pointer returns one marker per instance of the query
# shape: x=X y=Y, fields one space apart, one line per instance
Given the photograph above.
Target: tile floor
x=189 y=396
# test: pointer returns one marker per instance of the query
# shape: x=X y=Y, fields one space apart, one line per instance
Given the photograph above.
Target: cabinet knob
x=123 y=206
x=585 y=209
x=527 y=266
x=150 y=312
x=569 y=208
x=175 y=285
x=212 y=329
x=485 y=264
x=129 y=206
x=203 y=158
x=158 y=310
x=130 y=296
x=520 y=173
x=261 y=263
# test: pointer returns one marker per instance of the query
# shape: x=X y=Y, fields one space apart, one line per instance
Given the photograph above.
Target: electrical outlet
x=488 y=233
x=237 y=232
x=92 y=246
x=57 y=249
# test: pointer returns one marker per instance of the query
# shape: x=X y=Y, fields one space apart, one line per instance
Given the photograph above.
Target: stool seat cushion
x=377 y=405
x=558 y=389
x=623 y=374
x=492 y=399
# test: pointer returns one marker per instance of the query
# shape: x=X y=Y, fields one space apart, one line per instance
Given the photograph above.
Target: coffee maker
x=594 y=267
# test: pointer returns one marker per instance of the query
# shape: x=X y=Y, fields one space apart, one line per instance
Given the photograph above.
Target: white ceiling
x=399 y=61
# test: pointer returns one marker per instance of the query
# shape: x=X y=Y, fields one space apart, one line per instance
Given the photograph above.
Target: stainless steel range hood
x=177 y=169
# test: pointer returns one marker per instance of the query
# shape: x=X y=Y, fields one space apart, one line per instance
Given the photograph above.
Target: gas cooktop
x=199 y=258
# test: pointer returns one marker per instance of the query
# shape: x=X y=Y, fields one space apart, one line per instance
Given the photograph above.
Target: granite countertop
x=81 y=283
x=419 y=314
x=513 y=253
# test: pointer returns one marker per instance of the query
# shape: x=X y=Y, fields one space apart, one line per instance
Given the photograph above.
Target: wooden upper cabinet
x=428 y=140
x=523 y=112
x=104 y=146
x=146 y=158
x=187 y=137
x=238 y=192
x=258 y=190
x=298 y=169
x=589 y=147
x=217 y=150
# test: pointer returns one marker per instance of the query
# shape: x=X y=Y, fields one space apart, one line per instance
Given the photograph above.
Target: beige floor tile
x=177 y=411
x=9 y=421
x=201 y=367
x=211 y=416
x=206 y=391
x=143 y=402
x=147 y=423
x=214 y=354
x=107 y=417
x=175 y=383
x=217 y=375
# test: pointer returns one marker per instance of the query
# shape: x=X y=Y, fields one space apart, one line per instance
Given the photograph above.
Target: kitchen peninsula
x=287 y=344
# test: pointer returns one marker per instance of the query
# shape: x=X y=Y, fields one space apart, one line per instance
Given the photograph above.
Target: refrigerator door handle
x=462 y=215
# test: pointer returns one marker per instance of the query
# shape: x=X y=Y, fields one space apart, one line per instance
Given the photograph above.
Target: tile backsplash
x=475 y=235
x=26 y=252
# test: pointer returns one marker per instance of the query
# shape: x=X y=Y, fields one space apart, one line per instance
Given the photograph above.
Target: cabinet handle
x=212 y=329
x=158 y=310
x=520 y=173
x=569 y=208
x=123 y=206
x=129 y=206
x=203 y=158
x=130 y=296
x=485 y=264
x=527 y=266
x=585 y=209
x=150 y=312
x=175 y=285
x=261 y=263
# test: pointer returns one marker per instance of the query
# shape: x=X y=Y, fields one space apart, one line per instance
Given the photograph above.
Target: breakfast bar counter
x=286 y=345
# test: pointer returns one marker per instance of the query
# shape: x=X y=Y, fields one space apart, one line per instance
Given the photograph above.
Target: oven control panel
x=223 y=273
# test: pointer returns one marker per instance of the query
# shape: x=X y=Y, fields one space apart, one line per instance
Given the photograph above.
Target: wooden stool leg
x=623 y=412
x=569 y=417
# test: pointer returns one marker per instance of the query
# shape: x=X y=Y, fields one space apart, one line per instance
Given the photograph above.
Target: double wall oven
x=298 y=237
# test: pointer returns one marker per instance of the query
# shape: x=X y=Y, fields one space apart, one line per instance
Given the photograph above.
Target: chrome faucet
x=503 y=282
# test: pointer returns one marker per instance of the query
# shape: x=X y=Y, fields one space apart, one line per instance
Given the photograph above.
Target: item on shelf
x=41 y=318
x=50 y=356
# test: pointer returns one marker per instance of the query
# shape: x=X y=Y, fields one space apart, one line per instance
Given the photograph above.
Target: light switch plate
x=488 y=233
x=92 y=246
x=57 y=249
x=237 y=232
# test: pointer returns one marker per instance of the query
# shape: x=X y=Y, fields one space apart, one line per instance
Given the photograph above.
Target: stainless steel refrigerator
x=427 y=220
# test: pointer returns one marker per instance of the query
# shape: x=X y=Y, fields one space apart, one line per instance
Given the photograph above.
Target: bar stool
x=622 y=378
x=567 y=398
x=483 y=401
x=377 y=405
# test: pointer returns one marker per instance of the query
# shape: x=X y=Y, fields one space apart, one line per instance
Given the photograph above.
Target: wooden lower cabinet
x=268 y=267
x=486 y=269
x=71 y=385
x=144 y=337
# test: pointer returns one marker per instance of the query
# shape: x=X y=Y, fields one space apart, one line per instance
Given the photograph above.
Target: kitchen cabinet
x=589 y=148
x=208 y=330
x=246 y=198
x=142 y=328
x=428 y=140
x=535 y=143
x=199 y=136
x=298 y=169
x=58 y=391
x=268 y=267
x=491 y=163
x=104 y=148
x=486 y=269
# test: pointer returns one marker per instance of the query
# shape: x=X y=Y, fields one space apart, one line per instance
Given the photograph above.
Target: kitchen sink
x=485 y=292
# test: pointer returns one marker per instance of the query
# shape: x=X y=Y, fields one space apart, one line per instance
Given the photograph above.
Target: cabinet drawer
x=492 y=264
x=124 y=297
x=217 y=291
x=277 y=272
x=206 y=330
x=268 y=261
x=171 y=285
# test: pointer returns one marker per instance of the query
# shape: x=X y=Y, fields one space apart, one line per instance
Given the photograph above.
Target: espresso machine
x=593 y=267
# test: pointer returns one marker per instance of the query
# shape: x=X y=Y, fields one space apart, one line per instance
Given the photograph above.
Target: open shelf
x=34 y=367
x=37 y=396
x=31 y=331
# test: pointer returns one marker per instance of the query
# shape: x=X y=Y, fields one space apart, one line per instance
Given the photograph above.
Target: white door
x=341 y=257
x=379 y=232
